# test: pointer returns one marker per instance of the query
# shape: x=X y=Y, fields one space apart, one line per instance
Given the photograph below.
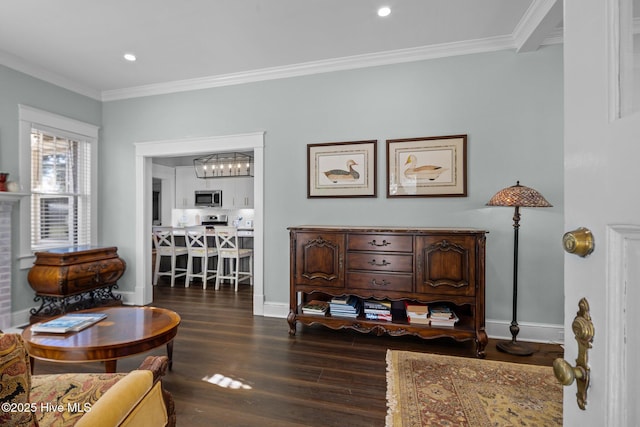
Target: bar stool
x=227 y=246
x=198 y=247
x=164 y=242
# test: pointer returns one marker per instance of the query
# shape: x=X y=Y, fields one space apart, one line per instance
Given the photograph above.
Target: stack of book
x=377 y=310
x=345 y=306
x=315 y=307
x=417 y=313
x=442 y=316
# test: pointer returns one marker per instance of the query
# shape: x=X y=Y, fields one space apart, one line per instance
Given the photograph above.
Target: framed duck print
x=342 y=169
x=427 y=167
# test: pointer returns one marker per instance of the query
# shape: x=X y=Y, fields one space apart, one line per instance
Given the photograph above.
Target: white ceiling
x=181 y=44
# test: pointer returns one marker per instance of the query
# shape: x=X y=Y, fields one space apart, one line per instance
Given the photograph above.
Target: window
x=60 y=191
x=58 y=165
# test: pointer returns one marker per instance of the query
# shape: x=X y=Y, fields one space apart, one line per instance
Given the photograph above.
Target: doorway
x=145 y=151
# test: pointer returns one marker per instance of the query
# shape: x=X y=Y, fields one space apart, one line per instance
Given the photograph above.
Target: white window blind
x=60 y=190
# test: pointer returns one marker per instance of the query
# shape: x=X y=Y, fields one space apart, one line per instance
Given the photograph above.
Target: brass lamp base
x=515 y=348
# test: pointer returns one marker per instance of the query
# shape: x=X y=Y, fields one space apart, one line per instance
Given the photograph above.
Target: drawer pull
x=384 y=263
x=384 y=243
x=374 y=282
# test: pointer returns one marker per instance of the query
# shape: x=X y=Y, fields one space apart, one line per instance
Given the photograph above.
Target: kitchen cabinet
x=237 y=192
x=430 y=266
x=186 y=184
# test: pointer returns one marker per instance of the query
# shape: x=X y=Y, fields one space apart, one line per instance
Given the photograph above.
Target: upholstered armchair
x=74 y=399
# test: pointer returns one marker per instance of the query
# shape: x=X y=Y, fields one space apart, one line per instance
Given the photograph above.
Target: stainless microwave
x=209 y=198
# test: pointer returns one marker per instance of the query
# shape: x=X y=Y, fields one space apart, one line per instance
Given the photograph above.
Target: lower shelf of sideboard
x=462 y=331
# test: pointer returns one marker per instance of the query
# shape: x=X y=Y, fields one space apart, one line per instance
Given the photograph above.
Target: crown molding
x=541 y=18
x=19 y=64
x=317 y=67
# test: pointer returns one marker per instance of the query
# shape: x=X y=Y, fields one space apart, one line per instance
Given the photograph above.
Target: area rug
x=433 y=390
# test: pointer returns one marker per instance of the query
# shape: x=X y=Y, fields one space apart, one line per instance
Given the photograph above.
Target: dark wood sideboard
x=427 y=265
x=74 y=278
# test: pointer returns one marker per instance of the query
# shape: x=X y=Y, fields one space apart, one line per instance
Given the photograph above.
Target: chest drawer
x=379 y=262
x=380 y=281
x=380 y=242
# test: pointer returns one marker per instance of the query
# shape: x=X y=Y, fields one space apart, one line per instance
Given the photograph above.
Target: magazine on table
x=71 y=322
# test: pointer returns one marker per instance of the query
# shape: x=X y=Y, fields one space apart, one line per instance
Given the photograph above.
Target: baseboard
x=20 y=318
x=532 y=332
x=276 y=309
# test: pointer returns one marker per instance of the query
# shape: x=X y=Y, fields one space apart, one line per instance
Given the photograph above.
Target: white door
x=602 y=193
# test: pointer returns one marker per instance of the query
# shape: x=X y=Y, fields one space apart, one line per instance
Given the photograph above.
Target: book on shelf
x=342 y=299
x=375 y=307
x=440 y=311
x=418 y=320
x=450 y=321
x=345 y=306
x=72 y=322
x=375 y=304
x=344 y=314
x=417 y=313
x=417 y=308
x=378 y=316
x=315 y=307
x=377 y=311
x=349 y=303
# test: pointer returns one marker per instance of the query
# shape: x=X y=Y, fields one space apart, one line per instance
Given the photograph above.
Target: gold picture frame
x=342 y=169
x=427 y=167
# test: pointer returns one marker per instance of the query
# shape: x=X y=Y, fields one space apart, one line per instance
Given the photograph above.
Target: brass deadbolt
x=579 y=242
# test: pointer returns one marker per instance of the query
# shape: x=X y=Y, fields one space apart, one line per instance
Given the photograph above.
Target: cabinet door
x=237 y=193
x=244 y=192
x=319 y=259
x=228 y=191
x=446 y=265
x=185 y=187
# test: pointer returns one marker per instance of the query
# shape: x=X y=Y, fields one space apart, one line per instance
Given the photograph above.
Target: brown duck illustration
x=336 y=175
x=414 y=171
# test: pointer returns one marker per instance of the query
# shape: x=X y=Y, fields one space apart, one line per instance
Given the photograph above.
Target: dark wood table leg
x=110 y=366
x=32 y=363
x=170 y=354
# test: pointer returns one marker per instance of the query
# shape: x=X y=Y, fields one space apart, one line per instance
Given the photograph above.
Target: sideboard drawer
x=380 y=262
x=380 y=281
x=380 y=242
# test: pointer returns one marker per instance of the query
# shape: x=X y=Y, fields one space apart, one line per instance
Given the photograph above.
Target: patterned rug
x=433 y=390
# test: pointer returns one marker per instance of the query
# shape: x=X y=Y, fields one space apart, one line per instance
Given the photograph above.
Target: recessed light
x=384 y=11
x=130 y=57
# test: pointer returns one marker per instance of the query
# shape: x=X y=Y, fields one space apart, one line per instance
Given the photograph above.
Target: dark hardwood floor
x=320 y=377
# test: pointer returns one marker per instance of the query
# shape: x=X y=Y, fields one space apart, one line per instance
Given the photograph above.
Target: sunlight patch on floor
x=226 y=382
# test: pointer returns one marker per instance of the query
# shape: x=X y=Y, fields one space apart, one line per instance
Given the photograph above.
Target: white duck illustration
x=413 y=171
x=336 y=175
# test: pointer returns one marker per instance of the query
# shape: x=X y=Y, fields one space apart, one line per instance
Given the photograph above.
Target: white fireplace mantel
x=6 y=196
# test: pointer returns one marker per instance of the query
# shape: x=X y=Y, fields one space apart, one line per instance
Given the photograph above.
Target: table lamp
x=517 y=196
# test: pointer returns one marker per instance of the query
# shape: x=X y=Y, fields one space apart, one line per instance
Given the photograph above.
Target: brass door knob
x=579 y=241
x=565 y=373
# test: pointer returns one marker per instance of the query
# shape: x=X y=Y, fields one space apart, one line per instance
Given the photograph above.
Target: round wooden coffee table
x=127 y=330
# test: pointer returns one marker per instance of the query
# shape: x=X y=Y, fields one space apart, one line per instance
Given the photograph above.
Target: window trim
x=28 y=117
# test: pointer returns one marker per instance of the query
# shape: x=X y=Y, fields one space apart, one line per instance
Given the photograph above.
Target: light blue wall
x=510 y=106
x=17 y=88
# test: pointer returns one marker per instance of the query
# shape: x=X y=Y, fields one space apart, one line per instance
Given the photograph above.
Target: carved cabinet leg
x=291 y=318
x=481 y=343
